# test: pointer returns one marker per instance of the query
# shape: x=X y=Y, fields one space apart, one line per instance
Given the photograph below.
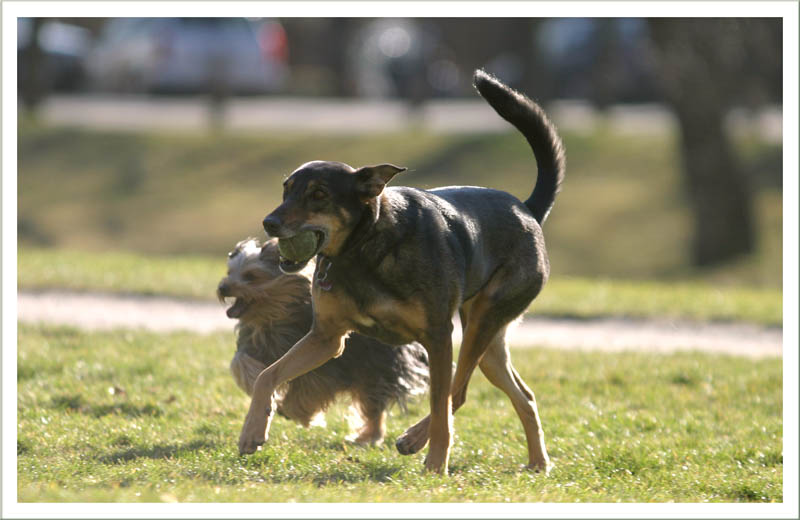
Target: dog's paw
x=412 y=440
x=248 y=446
x=542 y=467
x=436 y=464
x=364 y=440
x=253 y=436
x=318 y=421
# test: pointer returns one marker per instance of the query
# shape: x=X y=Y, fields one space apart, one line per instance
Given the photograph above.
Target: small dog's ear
x=370 y=180
x=269 y=249
x=241 y=246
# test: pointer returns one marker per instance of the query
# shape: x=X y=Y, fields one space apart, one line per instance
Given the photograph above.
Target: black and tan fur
x=274 y=312
x=397 y=263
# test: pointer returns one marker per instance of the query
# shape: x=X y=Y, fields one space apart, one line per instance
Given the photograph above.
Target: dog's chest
x=360 y=298
x=391 y=322
x=369 y=327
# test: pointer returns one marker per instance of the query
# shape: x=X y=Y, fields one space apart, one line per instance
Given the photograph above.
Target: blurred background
x=171 y=136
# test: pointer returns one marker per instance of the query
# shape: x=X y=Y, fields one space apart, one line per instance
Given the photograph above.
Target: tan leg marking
x=476 y=339
x=496 y=365
x=440 y=425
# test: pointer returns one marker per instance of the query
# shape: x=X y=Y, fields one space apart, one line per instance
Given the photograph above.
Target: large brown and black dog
x=397 y=263
x=274 y=312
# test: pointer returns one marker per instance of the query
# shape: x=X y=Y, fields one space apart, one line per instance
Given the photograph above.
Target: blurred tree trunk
x=336 y=54
x=695 y=60
x=718 y=191
x=34 y=85
x=218 y=91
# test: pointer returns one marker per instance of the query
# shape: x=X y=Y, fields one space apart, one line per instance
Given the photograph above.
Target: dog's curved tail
x=531 y=121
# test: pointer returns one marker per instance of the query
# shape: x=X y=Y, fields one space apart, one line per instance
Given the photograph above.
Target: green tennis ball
x=300 y=247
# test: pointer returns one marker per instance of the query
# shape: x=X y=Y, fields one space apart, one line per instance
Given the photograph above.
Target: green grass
x=197 y=277
x=130 y=416
x=622 y=212
x=120 y=272
x=695 y=301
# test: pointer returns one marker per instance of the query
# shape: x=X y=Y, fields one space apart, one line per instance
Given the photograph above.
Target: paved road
x=286 y=114
x=104 y=312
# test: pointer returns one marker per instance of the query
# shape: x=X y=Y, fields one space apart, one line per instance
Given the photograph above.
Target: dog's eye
x=249 y=276
x=319 y=195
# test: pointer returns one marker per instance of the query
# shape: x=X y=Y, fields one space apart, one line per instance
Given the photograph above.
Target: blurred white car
x=189 y=55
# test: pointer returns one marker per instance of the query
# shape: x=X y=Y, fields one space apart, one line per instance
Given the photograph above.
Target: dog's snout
x=272 y=225
x=223 y=289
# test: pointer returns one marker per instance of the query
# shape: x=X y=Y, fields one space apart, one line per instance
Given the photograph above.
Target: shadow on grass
x=356 y=474
x=76 y=403
x=159 y=451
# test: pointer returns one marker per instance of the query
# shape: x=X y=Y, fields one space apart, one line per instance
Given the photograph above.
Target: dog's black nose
x=223 y=289
x=271 y=225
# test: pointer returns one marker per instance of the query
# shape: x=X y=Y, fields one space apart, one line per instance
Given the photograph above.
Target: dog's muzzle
x=272 y=225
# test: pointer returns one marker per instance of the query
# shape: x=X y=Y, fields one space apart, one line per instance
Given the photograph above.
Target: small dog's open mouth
x=237 y=309
x=302 y=247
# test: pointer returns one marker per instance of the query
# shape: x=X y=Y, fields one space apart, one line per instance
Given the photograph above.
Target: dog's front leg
x=316 y=347
x=440 y=356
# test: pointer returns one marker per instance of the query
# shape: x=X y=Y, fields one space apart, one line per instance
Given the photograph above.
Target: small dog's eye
x=319 y=195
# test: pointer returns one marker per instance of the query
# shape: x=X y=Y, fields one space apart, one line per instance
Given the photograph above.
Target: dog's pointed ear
x=370 y=180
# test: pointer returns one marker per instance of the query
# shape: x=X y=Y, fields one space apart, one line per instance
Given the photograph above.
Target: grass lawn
x=132 y=416
x=622 y=213
x=198 y=276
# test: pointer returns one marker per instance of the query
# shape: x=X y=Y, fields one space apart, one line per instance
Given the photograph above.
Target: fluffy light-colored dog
x=274 y=312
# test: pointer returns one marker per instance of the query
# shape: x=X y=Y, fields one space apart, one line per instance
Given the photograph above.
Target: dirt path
x=103 y=312
x=277 y=113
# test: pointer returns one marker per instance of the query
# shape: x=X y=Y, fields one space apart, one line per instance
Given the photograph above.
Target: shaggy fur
x=274 y=312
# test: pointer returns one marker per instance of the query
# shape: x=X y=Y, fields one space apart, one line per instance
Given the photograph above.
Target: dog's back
x=492 y=226
x=469 y=232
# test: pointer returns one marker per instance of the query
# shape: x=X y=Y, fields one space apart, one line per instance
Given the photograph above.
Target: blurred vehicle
x=603 y=60
x=189 y=55
x=64 y=48
x=395 y=57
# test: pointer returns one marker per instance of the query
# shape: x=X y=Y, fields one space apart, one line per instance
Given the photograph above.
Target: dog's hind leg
x=496 y=365
x=482 y=325
x=372 y=432
x=487 y=315
x=373 y=414
x=297 y=405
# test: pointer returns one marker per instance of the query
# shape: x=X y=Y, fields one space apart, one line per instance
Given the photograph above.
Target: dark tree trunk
x=693 y=58
x=33 y=73
x=717 y=189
